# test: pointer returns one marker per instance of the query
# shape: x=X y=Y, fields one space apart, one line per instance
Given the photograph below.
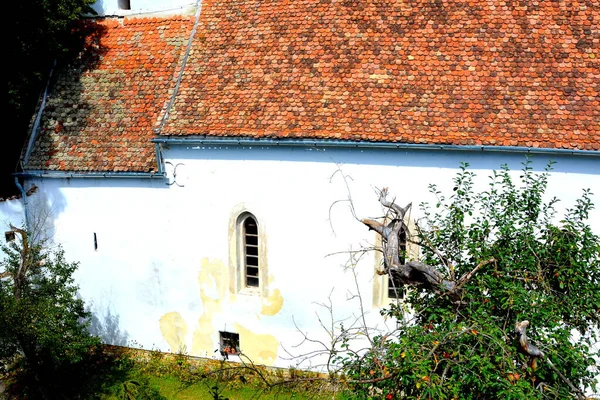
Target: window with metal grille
x=395 y=287
x=229 y=342
x=250 y=249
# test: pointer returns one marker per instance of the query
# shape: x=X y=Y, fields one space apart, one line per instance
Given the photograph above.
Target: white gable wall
x=162 y=270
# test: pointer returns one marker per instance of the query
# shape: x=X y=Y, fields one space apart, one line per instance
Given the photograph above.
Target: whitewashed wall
x=11 y=212
x=160 y=275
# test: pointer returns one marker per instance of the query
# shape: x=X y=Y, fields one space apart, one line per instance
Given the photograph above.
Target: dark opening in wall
x=124 y=5
x=9 y=236
x=95 y=241
x=230 y=343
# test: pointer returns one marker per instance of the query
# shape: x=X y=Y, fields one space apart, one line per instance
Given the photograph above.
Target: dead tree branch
x=527 y=348
x=20 y=274
x=412 y=273
x=409 y=273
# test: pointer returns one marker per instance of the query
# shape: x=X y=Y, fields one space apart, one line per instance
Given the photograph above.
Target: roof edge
x=89 y=174
x=372 y=145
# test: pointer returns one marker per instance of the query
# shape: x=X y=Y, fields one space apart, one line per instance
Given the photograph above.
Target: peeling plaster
x=213 y=282
x=260 y=348
x=272 y=304
x=174 y=329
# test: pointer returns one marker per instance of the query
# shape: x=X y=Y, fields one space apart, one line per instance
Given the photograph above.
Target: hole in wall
x=124 y=5
x=9 y=236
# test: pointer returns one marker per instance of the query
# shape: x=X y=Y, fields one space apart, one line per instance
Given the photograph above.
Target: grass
x=125 y=373
x=171 y=388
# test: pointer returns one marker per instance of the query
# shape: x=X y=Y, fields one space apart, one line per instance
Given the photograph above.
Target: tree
x=503 y=303
x=41 y=31
x=41 y=317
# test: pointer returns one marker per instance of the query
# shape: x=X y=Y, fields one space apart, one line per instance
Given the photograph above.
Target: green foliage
x=215 y=393
x=177 y=376
x=461 y=344
x=44 y=324
x=137 y=388
x=40 y=31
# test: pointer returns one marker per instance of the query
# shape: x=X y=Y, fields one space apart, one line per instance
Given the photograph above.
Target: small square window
x=9 y=236
x=230 y=343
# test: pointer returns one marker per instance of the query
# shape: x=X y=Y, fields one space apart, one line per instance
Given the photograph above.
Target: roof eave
x=88 y=174
x=203 y=140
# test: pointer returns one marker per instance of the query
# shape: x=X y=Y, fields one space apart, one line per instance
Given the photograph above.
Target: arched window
x=249 y=257
x=248 y=264
x=395 y=287
x=387 y=289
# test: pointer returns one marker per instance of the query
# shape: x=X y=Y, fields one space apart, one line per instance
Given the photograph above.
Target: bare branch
x=19 y=276
x=392 y=205
x=527 y=348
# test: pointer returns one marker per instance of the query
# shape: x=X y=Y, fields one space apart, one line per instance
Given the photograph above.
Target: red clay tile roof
x=510 y=73
x=101 y=110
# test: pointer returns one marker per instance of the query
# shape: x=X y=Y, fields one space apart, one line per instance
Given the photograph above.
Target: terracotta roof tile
x=441 y=72
x=102 y=107
x=503 y=73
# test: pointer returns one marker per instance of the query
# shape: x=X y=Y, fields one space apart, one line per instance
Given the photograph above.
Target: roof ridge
x=133 y=20
x=140 y=20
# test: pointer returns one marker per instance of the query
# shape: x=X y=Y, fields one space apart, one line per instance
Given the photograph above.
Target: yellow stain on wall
x=260 y=348
x=272 y=304
x=213 y=282
x=174 y=329
x=203 y=343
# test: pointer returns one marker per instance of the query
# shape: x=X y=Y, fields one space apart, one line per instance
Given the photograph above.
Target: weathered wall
x=161 y=273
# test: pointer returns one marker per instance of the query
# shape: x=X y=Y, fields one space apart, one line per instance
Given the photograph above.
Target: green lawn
x=130 y=374
x=171 y=388
x=155 y=375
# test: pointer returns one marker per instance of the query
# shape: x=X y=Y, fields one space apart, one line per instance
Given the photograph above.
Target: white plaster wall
x=11 y=212
x=155 y=240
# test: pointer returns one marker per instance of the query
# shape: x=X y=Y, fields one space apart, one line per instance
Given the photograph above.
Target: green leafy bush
x=503 y=260
x=44 y=323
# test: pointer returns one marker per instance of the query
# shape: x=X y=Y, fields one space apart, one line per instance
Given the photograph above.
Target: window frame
x=381 y=283
x=245 y=256
x=397 y=291
x=229 y=343
x=237 y=264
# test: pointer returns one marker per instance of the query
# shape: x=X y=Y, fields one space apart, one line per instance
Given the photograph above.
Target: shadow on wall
x=43 y=208
x=106 y=327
